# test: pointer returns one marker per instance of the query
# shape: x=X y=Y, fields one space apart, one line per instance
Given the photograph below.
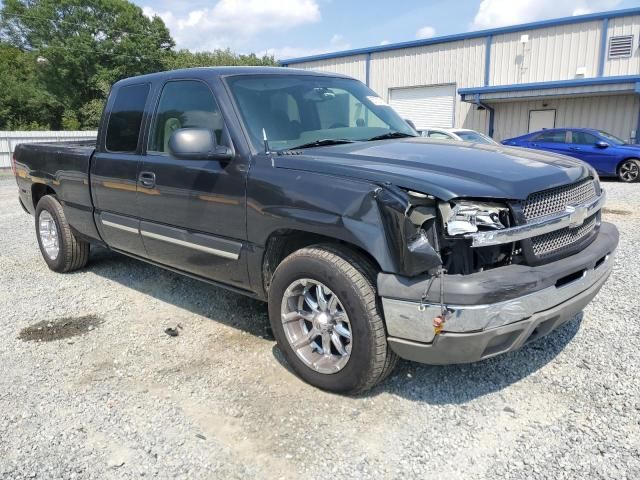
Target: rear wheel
x=326 y=319
x=629 y=170
x=60 y=248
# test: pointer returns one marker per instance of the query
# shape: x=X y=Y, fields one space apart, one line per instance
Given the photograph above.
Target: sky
x=293 y=28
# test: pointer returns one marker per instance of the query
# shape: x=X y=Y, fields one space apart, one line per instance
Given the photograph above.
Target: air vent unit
x=620 y=47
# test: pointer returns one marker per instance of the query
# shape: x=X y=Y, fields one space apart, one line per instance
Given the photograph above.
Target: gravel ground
x=92 y=387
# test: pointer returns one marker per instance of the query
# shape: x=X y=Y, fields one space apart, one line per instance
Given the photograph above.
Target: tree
x=24 y=102
x=187 y=59
x=59 y=58
x=85 y=44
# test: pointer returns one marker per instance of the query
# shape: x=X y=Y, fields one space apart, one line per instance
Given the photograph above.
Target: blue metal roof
x=577 y=82
x=463 y=36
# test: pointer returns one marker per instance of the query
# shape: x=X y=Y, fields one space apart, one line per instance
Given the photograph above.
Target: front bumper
x=495 y=311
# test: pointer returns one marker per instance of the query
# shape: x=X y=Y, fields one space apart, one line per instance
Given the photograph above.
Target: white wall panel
x=616 y=114
x=552 y=53
x=460 y=63
x=624 y=66
x=354 y=66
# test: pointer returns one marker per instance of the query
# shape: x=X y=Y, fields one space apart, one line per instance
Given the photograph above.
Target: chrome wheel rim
x=316 y=326
x=48 y=231
x=629 y=171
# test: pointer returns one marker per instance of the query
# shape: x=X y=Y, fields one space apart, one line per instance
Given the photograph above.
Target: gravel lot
x=92 y=387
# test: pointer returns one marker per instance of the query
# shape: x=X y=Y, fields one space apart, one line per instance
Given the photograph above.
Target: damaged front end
x=467 y=290
x=409 y=219
x=463 y=217
x=428 y=235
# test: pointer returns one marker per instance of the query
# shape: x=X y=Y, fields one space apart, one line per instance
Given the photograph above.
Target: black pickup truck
x=307 y=191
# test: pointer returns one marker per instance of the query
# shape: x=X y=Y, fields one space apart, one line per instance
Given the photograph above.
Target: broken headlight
x=469 y=217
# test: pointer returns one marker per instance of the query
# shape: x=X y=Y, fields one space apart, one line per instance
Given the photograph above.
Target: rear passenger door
x=551 y=141
x=192 y=211
x=114 y=169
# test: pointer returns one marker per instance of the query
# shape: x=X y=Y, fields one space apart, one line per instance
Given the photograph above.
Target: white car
x=459 y=134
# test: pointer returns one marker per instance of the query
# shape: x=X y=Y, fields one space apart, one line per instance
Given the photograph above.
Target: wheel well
x=625 y=160
x=283 y=243
x=38 y=191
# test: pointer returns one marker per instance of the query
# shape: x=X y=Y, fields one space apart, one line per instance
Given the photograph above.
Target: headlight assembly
x=470 y=217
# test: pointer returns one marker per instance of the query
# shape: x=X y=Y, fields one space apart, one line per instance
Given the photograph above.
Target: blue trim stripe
x=487 y=60
x=468 y=35
x=367 y=70
x=603 y=45
x=488 y=108
x=545 y=85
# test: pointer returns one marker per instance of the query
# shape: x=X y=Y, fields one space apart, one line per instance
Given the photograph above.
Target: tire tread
x=75 y=252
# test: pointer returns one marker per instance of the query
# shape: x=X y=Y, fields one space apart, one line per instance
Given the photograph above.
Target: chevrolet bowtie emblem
x=577 y=215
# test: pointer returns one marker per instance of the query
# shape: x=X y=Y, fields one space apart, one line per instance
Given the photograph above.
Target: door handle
x=576 y=149
x=147 y=179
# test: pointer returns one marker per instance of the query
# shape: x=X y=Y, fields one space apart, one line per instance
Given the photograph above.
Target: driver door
x=192 y=211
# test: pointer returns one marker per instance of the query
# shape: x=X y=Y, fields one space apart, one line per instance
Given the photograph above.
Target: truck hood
x=444 y=169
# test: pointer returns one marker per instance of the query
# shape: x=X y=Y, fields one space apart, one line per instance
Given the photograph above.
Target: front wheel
x=629 y=170
x=325 y=316
x=60 y=248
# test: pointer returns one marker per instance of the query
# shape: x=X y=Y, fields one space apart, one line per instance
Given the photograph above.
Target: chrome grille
x=553 y=242
x=555 y=200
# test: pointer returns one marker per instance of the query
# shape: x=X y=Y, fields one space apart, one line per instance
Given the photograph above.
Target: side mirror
x=602 y=144
x=197 y=144
x=411 y=124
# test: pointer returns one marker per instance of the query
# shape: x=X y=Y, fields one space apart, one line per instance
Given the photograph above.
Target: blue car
x=609 y=155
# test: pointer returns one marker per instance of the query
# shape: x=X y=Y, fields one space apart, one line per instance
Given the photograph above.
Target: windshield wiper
x=384 y=136
x=322 y=143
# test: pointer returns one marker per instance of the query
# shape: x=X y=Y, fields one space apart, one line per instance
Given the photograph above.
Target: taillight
x=13 y=163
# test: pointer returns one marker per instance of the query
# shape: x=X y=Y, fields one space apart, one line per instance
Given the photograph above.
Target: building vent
x=620 y=47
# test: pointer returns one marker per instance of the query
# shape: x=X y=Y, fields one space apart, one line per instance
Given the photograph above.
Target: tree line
x=59 y=58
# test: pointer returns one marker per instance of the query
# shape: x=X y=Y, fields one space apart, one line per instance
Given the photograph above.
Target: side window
x=551 y=137
x=440 y=136
x=582 y=138
x=184 y=104
x=125 y=119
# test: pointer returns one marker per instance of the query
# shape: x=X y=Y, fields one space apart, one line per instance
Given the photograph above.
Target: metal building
x=581 y=71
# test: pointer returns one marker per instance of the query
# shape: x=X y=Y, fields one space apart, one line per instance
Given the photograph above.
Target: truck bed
x=64 y=168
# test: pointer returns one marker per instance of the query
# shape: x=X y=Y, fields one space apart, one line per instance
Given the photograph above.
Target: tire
x=72 y=253
x=351 y=278
x=629 y=170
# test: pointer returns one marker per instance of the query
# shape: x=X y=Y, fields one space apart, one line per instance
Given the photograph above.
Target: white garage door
x=425 y=106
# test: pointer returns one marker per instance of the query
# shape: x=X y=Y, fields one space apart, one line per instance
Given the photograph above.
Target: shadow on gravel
x=198 y=297
x=437 y=385
x=458 y=384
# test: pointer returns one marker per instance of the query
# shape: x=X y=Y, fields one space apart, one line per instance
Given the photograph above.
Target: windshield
x=611 y=138
x=296 y=110
x=474 y=137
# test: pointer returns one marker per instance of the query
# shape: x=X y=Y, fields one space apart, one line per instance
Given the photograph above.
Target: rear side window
x=125 y=119
x=440 y=135
x=184 y=104
x=551 y=137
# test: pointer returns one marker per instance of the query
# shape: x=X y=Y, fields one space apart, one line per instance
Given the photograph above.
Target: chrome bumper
x=572 y=217
x=407 y=320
